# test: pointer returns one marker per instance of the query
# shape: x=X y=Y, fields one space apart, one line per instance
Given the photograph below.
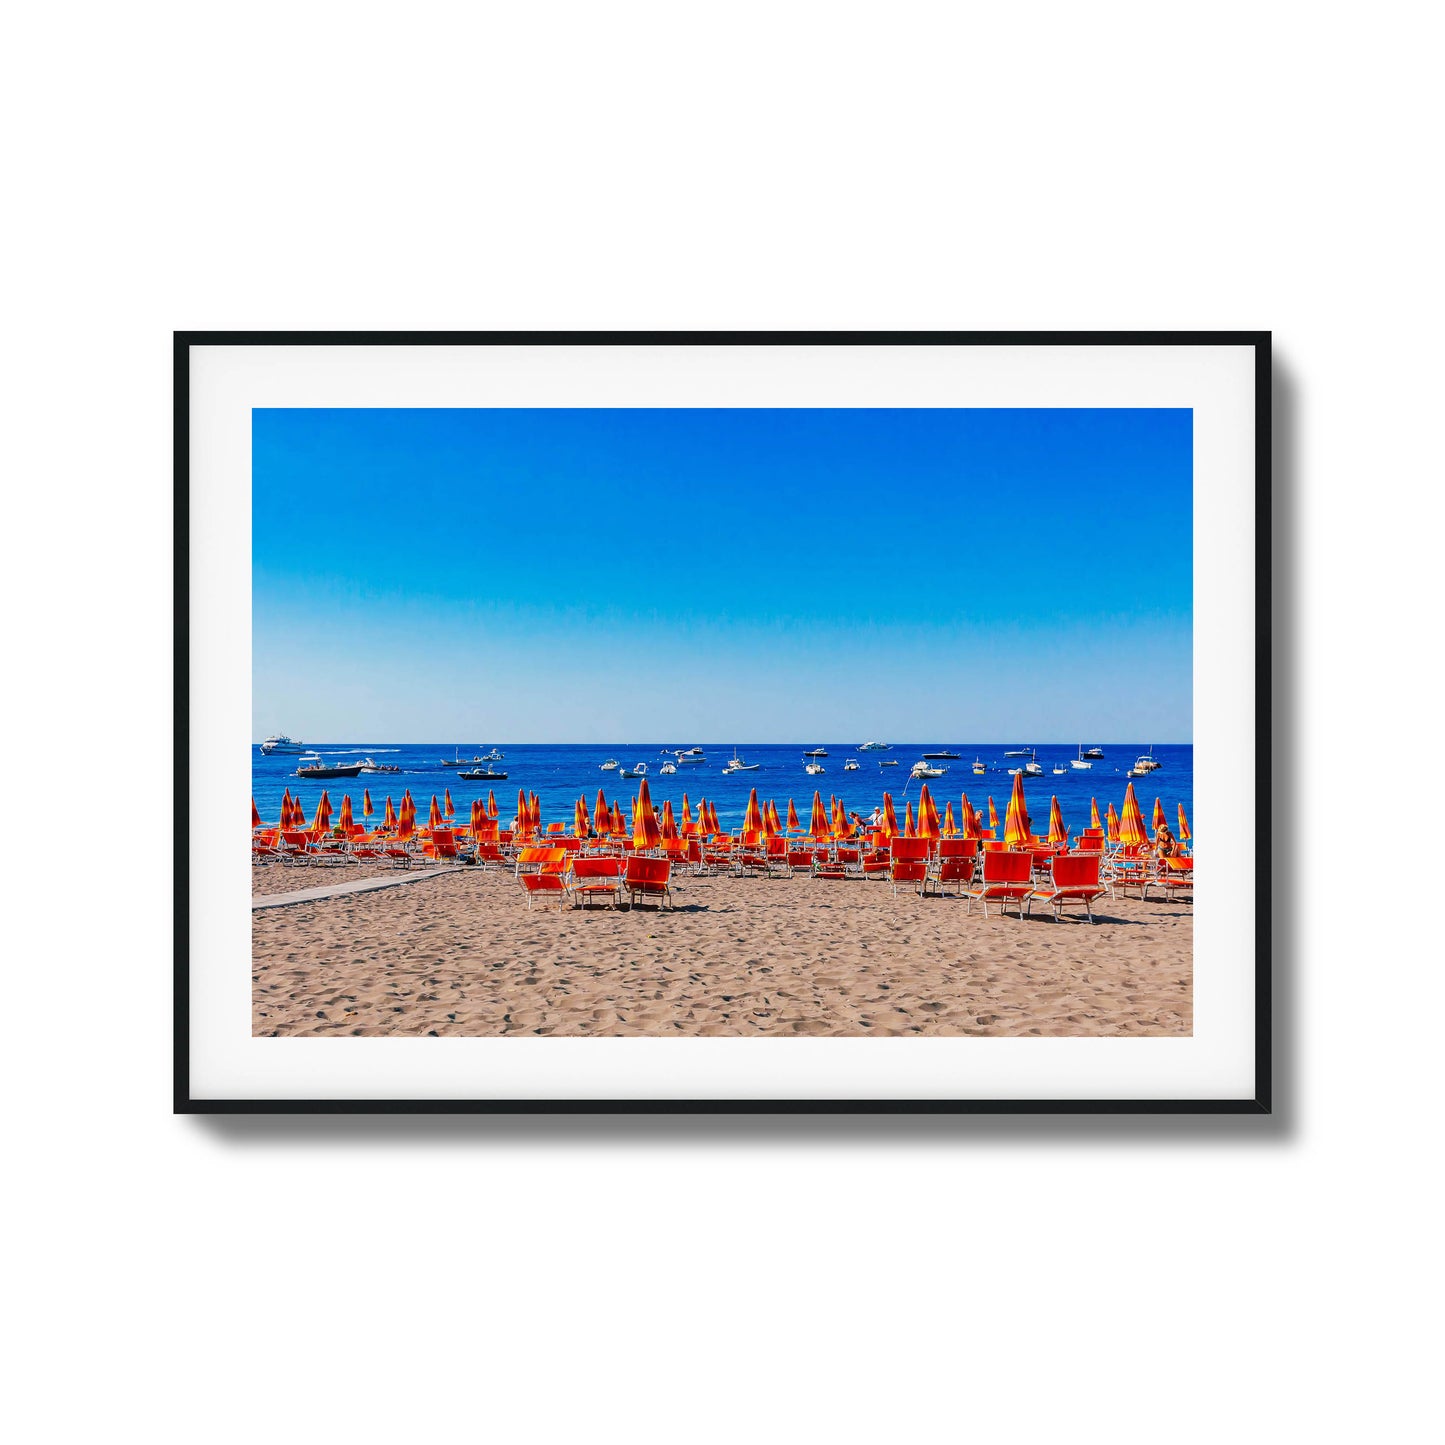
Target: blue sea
x=559 y=772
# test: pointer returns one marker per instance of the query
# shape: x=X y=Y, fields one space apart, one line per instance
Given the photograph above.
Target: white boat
x=816 y=753
x=1082 y=761
x=1147 y=763
x=1094 y=752
x=1034 y=769
x=370 y=765
x=874 y=747
x=1018 y=752
x=668 y=767
x=495 y=756
x=280 y=743
x=736 y=765
x=610 y=766
x=978 y=767
x=640 y=771
x=814 y=768
x=850 y=765
x=887 y=762
x=690 y=757
x=1060 y=770
x=922 y=769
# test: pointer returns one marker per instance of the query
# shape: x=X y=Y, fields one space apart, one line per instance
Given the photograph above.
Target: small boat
x=874 y=747
x=816 y=753
x=668 y=767
x=483 y=775
x=690 y=757
x=1094 y=752
x=1146 y=763
x=978 y=767
x=368 y=765
x=814 y=768
x=495 y=756
x=460 y=762
x=940 y=755
x=1018 y=752
x=312 y=766
x=1082 y=761
x=736 y=765
x=610 y=766
x=280 y=743
x=922 y=769
x=887 y=762
x=1059 y=770
x=640 y=771
x=1033 y=769
x=850 y=765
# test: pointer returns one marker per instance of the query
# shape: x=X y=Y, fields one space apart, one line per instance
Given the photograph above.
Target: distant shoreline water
x=560 y=772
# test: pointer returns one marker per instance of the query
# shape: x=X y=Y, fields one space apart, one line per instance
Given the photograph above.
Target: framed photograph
x=725 y=722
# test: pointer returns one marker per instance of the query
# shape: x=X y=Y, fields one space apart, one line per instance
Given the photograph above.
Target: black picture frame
x=1261 y=1103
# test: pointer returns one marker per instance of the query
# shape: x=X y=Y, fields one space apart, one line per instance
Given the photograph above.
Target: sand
x=462 y=955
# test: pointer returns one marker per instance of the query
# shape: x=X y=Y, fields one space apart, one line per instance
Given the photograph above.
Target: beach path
x=356 y=885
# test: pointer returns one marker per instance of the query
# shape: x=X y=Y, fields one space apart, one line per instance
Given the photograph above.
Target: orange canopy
x=927 y=815
x=618 y=826
x=388 y=819
x=1094 y=815
x=323 y=813
x=1183 y=823
x=366 y=809
x=645 y=832
x=1016 y=819
x=908 y=829
x=712 y=823
x=669 y=826
x=286 y=808
x=753 y=819
x=950 y=828
x=794 y=826
x=491 y=803
x=534 y=811
x=1160 y=819
x=522 y=820
x=478 y=816
x=601 y=817
x=818 y=824
x=890 y=818
x=686 y=811
x=770 y=820
x=434 y=817
x=1132 y=832
x=345 y=820
x=992 y=814
x=447 y=806
x=971 y=828
x=1111 y=825
x=1057 y=833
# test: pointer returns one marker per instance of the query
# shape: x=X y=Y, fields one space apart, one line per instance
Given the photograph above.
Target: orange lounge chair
x=1175 y=877
x=545 y=885
x=539 y=860
x=1074 y=878
x=595 y=878
x=442 y=845
x=908 y=863
x=955 y=862
x=648 y=878
x=1007 y=878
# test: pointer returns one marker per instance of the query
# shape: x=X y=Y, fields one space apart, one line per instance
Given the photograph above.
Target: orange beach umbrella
x=1111 y=825
x=950 y=828
x=752 y=819
x=669 y=825
x=491 y=803
x=388 y=818
x=970 y=818
x=581 y=824
x=645 y=832
x=1057 y=833
x=286 y=808
x=992 y=814
x=345 y=819
x=686 y=811
x=521 y=820
x=1160 y=818
x=618 y=826
x=818 y=823
x=1016 y=819
x=434 y=816
x=366 y=809
x=794 y=826
x=255 y=815
x=601 y=817
x=890 y=818
x=1183 y=823
x=908 y=831
x=927 y=815
x=447 y=806
x=1132 y=832
x=1094 y=815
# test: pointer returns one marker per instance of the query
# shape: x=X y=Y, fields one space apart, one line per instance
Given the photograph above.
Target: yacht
x=495 y=756
x=610 y=766
x=280 y=743
x=1094 y=752
x=1031 y=769
x=483 y=774
x=1018 y=752
x=978 y=767
x=312 y=765
x=668 y=767
x=1082 y=761
x=874 y=747
x=922 y=769
x=816 y=753
x=370 y=765
x=1145 y=764
x=850 y=765
x=736 y=765
x=814 y=768
x=639 y=771
x=940 y=755
x=476 y=760
x=887 y=762
x=690 y=757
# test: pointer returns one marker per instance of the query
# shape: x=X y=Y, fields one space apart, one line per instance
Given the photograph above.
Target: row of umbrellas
x=760 y=819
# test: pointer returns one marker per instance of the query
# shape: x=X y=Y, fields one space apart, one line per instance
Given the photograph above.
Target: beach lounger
x=648 y=878
x=955 y=863
x=909 y=863
x=545 y=885
x=1175 y=876
x=776 y=858
x=442 y=846
x=539 y=860
x=799 y=858
x=1074 y=878
x=1007 y=878
x=595 y=878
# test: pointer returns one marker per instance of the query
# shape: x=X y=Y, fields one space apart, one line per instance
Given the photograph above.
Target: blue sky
x=769 y=575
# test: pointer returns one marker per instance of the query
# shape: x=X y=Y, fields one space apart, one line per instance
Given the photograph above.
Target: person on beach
x=1165 y=844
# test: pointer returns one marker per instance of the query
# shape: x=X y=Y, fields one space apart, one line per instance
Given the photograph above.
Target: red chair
x=908 y=863
x=442 y=845
x=595 y=878
x=1074 y=878
x=1007 y=878
x=648 y=878
x=799 y=858
x=545 y=885
x=876 y=863
x=955 y=862
x=1175 y=877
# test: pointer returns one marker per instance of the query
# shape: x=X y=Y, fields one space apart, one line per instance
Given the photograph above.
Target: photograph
x=729 y=722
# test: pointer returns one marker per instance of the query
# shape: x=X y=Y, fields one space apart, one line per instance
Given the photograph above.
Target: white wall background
x=750 y=166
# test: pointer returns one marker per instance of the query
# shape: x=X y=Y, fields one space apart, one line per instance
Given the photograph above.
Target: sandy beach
x=462 y=955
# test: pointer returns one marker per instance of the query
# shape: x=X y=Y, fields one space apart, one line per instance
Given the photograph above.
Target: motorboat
x=312 y=765
x=370 y=765
x=280 y=743
x=1082 y=761
x=887 y=762
x=690 y=757
x=610 y=766
x=639 y=771
x=1059 y=770
x=476 y=760
x=736 y=765
x=1094 y=752
x=940 y=755
x=668 y=767
x=1031 y=769
x=483 y=775
x=874 y=747
x=850 y=765
x=495 y=756
x=816 y=753
x=923 y=769
x=1018 y=752
x=1146 y=763
x=978 y=767
x=814 y=768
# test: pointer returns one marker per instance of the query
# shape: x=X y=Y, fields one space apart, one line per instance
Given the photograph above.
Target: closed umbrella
x=601 y=817
x=818 y=824
x=255 y=815
x=388 y=818
x=908 y=831
x=927 y=815
x=1016 y=819
x=491 y=803
x=345 y=819
x=1094 y=822
x=1057 y=832
x=1111 y=825
x=890 y=818
x=366 y=809
x=434 y=817
x=286 y=808
x=950 y=828
x=447 y=806
x=1159 y=820
x=992 y=815
x=645 y=832
x=669 y=826
x=1132 y=832
x=752 y=818
x=971 y=827
x=794 y=826
x=1183 y=823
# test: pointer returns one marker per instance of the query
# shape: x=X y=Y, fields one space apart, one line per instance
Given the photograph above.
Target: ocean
x=559 y=772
